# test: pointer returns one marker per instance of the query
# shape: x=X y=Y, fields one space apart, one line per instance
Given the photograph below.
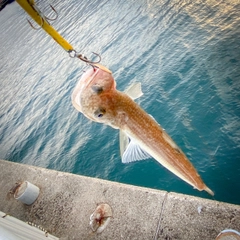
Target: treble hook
x=42 y=16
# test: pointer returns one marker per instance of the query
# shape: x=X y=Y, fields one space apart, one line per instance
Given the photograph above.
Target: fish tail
x=208 y=190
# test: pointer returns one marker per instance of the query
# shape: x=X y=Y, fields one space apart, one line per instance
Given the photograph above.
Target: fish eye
x=100 y=112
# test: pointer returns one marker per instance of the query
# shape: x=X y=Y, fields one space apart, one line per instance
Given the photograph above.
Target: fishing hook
x=41 y=15
x=83 y=58
x=74 y=54
x=56 y=13
x=31 y=25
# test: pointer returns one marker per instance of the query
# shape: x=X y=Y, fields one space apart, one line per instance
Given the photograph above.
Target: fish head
x=94 y=96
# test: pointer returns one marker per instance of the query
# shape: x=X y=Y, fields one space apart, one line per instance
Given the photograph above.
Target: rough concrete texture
x=66 y=202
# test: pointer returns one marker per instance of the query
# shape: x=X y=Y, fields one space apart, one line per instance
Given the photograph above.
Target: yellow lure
x=29 y=7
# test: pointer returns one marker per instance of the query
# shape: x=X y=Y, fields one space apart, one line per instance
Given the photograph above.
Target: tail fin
x=208 y=190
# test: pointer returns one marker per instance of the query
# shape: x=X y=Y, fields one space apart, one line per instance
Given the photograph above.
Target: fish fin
x=155 y=120
x=123 y=142
x=133 y=153
x=208 y=190
x=134 y=91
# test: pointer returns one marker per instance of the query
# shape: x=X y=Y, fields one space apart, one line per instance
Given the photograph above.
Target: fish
x=141 y=136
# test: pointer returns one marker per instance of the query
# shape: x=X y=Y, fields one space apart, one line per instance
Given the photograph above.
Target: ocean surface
x=186 y=54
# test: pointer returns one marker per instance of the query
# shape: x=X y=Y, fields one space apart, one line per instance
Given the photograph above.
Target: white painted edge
x=21 y=230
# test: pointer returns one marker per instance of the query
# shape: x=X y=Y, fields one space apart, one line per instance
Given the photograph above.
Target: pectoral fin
x=130 y=151
x=123 y=142
x=134 y=91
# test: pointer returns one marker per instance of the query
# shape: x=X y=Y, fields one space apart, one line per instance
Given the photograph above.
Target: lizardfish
x=96 y=96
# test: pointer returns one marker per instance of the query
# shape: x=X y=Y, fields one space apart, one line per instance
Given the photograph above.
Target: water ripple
x=184 y=53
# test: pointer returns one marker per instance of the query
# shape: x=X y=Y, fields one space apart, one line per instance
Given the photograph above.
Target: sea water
x=186 y=54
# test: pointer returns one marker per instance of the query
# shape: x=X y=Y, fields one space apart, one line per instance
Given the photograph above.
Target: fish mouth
x=86 y=80
x=97 y=65
x=83 y=83
x=91 y=73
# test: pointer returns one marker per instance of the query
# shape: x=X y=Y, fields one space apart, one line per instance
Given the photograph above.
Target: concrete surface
x=66 y=202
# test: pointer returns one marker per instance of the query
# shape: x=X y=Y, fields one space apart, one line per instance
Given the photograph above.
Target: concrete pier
x=66 y=202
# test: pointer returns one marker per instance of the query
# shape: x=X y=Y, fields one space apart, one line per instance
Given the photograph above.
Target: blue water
x=186 y=54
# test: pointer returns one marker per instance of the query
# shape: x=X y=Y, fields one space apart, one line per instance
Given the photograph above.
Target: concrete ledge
x=66 y=202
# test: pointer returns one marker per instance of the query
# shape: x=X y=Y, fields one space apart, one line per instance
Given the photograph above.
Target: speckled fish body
x=98 y=99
